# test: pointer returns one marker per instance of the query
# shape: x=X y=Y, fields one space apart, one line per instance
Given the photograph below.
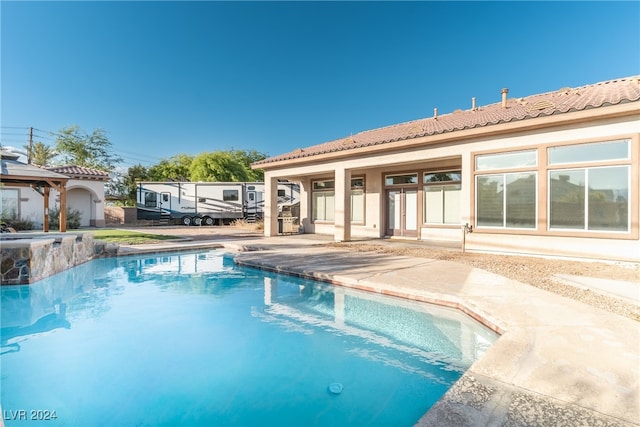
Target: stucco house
x=546 y=174
x=84 y=192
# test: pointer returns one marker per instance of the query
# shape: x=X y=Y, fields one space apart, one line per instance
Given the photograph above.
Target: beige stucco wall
x=83 y=195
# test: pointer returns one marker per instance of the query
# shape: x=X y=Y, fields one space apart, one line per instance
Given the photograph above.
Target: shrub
x=258 y=225
x=73 y=218
x=17 y=223
x=10 y=219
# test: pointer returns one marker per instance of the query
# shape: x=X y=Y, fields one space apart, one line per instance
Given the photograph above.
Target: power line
x=43 y=137
x=11 y=133
x=128 y=157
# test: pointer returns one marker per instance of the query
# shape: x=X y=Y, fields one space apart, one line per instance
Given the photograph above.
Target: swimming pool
x=193 y=339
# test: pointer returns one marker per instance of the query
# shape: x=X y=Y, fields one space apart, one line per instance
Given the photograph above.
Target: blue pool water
x=193 y=339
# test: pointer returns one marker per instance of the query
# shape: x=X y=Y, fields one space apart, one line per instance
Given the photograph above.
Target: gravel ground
x=534 y=271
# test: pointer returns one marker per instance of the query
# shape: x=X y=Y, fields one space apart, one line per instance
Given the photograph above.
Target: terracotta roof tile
x=80 y=172
x=561 y=101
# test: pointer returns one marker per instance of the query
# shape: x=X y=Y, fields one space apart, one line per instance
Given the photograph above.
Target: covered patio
x=17 y=174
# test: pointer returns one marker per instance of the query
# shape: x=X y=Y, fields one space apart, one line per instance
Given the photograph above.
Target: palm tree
x=40 y=154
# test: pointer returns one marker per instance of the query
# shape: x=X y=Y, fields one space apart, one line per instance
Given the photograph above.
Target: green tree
x=123 y=184
x=134 y=175
x=176 y=168
x=76 y=147
x=40 y=154
x=218 y=166
x=246 y=158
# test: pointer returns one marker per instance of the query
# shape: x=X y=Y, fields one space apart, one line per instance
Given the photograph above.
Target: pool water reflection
x=193 y=339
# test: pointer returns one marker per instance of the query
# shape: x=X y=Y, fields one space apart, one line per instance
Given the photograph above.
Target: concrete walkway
x=558 y=362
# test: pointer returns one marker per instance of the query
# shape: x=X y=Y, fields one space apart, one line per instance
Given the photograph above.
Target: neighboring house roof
x=612 y=92
x=14 y=171
x=80 y=172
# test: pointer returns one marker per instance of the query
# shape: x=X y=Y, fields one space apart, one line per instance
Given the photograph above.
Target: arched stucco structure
x=85 y=200
x=85 y=193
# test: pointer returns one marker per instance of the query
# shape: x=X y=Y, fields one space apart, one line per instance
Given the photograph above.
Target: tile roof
x=565 y=100
x=80 y=172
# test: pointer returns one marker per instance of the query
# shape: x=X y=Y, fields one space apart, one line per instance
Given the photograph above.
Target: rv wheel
x=207 y=220
x=197 y=220
x=186 y=220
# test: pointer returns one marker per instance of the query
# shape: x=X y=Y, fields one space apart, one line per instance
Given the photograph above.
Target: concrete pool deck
x=557 y=362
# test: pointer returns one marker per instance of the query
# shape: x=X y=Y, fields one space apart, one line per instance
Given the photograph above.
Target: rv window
x=150 y=200
x=281 y=193
x=252 y=196
x=165 y=197
x=202 y=200
x=251 y=188
x=230 y=195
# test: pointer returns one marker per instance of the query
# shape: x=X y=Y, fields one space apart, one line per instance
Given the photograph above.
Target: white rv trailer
x=208 y=203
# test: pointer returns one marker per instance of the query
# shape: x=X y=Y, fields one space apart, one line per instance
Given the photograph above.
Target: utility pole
x=30 y=145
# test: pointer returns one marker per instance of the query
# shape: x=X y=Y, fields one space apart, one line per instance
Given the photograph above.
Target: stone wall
x=28 y=257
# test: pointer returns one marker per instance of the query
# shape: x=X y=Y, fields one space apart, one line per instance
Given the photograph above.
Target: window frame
x=17 y=200
x=353 y=189
x=327 y=191
x=442 y=184
x=316 y=190
x=230 y=195
x=543 y=188
x=586 y=167
x=150 y=199
x=504 y=173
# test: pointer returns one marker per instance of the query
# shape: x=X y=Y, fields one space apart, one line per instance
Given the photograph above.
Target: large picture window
x=590 y=198
x=507 y=200
x=442 y=197
x=357 y=200
x=594 y=199
x=323 y=200
x=588 y=188
x=9 y=203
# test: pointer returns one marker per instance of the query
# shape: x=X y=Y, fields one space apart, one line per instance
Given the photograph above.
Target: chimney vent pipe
x=505 y=91
x=435 y=113
x=473 y=103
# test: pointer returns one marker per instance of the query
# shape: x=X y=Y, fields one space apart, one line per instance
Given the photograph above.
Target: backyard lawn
x=128 y=237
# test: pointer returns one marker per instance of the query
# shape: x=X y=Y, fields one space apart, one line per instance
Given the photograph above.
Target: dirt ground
x=535 y=271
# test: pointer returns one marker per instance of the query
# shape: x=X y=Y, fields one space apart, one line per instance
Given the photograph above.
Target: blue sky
x=163 y=78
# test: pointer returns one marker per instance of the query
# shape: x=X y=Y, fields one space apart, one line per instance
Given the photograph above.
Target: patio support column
x=45 y=222
x=305 y=220
x=270 y=206
x=342 y=216
x=63 y=208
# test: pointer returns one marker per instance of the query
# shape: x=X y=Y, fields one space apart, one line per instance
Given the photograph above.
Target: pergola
x=17 y=174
